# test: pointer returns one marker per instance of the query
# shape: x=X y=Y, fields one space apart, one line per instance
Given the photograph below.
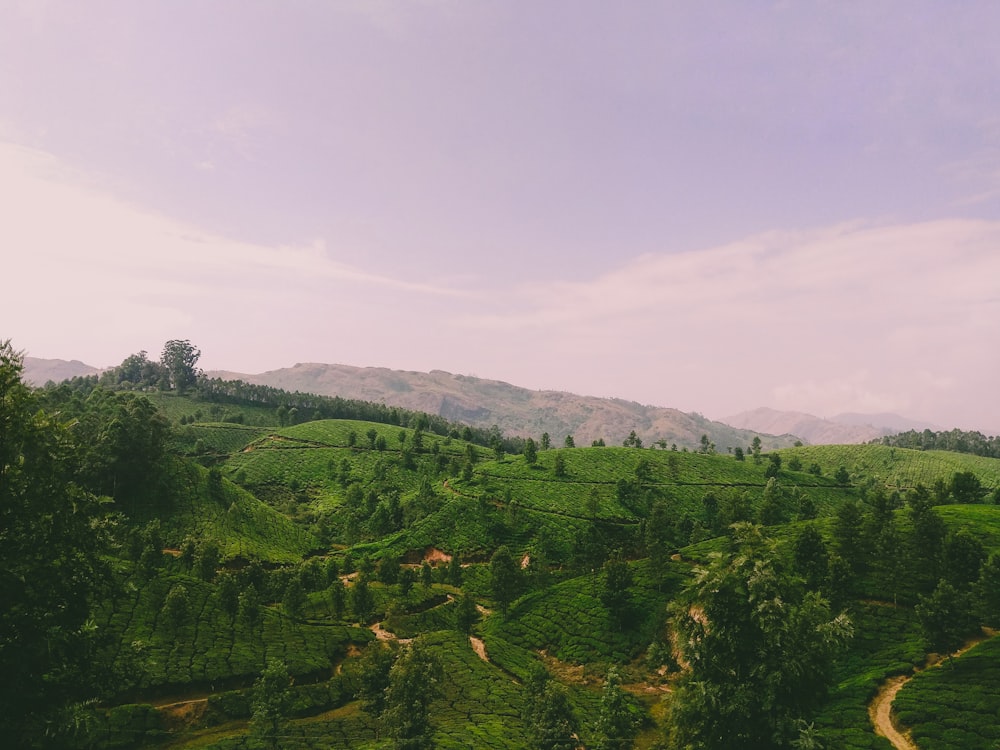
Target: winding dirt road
x=880 y=709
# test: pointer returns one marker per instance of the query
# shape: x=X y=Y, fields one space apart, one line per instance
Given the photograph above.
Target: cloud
x=855 y=317
x=84 y=265
x=859 y=316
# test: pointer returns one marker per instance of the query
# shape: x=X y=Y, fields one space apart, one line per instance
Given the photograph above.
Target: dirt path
x=479 y=647
x=880 y=713
x=384 y=635
x=880 y=709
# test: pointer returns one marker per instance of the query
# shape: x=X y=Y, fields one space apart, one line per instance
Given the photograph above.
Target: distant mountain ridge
x=38 y=371
x=516 y=410
x=839 y=430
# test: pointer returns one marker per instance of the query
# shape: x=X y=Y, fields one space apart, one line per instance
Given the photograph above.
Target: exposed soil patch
x=434 y=555
x=182 y=714
x=479 y=647
x=566 y=672
x=386 y=635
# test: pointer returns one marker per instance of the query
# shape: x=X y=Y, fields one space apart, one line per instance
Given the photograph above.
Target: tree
x=617 y=581
x=559 y=465
x=546 y=441
x=228 y=592
x=337 y=596
x=569 y=442
x=362 y=601
x=50 y=536
x=179 y=359
x=966 y=488
x=466 y=613
x=811 y=557
x=269 y=705
x=407 y=577
x=206 y=560
x=373 y=677
x=986 y=593
x=176 y=606
x=847 y=529
x=773 y=466
x=945 y=618
x=616 y=725
x=250 y=613
x=414 y=682
x=759 y=655
x=530 y=452
x=294 y=598
x=963 y=557
x=553 y=720
x=841 y=476
x=505 y=578
x=426 y=574
x=455 y=571
x=755 y=446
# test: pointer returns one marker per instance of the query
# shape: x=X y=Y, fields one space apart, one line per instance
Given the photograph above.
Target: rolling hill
x=516 y=410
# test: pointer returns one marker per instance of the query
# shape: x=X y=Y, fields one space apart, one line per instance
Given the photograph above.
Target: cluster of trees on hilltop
x=959 y=441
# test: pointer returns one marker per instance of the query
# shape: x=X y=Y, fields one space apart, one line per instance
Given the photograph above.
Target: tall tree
x=617 y=581
x=945 y=617
x=617 y=724
x=530 y=452
x=179 y=358
x=414 y=682
x=269 y=705
x=49 y=563
x=758 y=655
x=505 y=578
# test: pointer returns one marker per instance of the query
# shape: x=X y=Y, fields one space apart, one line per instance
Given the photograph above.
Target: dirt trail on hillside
x=479 y=647
x=880 y=709
x=880 y=713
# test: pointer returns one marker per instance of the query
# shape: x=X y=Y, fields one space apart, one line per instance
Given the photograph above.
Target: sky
x=712 y=206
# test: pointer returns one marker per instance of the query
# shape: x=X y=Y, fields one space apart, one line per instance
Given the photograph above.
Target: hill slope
x=810 y=428
x=517 y=411
x=38 y=372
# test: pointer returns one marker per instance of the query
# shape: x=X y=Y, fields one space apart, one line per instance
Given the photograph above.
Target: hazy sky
x=712 y=206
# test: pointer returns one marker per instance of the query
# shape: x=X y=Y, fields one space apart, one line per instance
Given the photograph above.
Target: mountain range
x=522 y=411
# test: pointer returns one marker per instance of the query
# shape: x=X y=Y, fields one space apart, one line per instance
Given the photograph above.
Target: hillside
x=38 y=371
x=809 y=428
x=516 y=410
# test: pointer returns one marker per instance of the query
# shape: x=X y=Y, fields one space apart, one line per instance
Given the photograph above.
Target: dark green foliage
x=986 y=593
x=615 y=594
x=945 y=617
x=811 y=557
x=414 y=681
x=373 y=677
x=270 y=705
x=178 y=360
x=49 y=566
x=962 y=557
x=466 y=614
x=505 y=578
x=759 y=657
x=617 y=722
x=530 y=452
x=966 y=488
x=362 y=601
x=294 y=598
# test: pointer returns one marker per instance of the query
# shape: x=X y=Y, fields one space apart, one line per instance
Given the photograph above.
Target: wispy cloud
x=89 y=264
x=851 y=317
